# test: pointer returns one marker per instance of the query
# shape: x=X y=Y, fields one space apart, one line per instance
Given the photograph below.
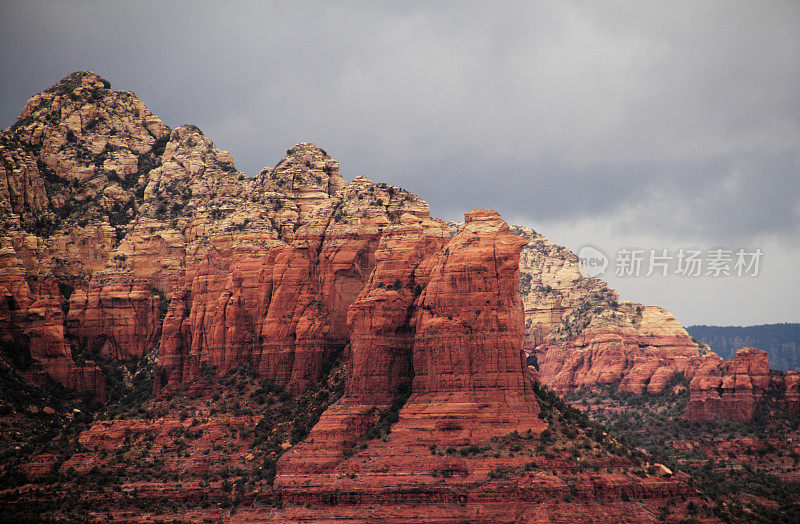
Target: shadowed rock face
x=729 y=389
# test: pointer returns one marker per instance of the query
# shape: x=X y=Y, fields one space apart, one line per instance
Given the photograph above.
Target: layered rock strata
x=579 y=333
x=443 y=321
x=121 y=235
x=729 y=389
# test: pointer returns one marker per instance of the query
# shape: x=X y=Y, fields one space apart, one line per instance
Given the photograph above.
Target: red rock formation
x=729 y=389
x=641 y=355
x=381 y=319
x=792 y=391
x=582 y=335
x=32 y=319
x=44 y=329
x=261 y=271
x=280 y=304
x=258 y=271
x=381 y=323
x=462 y=337
x=120 y=318
x=469 y=329
x=22 y=189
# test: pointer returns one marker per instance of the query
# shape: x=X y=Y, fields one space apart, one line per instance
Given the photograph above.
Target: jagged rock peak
x=306 y=148
x=79 y=80
x=79 y=153
x=189 y=141
x=91 y=96
x=307 y=175
x=305 y=163
x=75 y=86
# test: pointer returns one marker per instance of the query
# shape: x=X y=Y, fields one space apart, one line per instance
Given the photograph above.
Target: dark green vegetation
x=780 y=341
x=748 y=472
x=34 y=420
x=581 y=316
x=213 y=444
x=571 y=444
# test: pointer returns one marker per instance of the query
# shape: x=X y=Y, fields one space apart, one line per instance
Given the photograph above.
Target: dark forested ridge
x=780 y=341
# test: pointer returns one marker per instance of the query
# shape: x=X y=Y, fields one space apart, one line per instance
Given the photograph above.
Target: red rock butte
x=124 y=241
x=457 y=344
x=123 y=237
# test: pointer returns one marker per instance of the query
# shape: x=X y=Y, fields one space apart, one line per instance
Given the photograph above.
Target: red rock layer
x=792 y=391
x=729 y=389
x=267 y=308
x=279 y=306
x=380 y=356
x=120 y=317
x=32 y=320
x=44 y=330
x=381 y=319
x=641 y=357
x=462 y=337
x=469 y=330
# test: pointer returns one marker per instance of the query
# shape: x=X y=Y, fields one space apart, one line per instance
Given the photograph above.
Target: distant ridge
x=780 y=341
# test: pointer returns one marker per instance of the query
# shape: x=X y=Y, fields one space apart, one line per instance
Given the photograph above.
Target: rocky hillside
x=312 y=341
x=579 y=334
x=123 y=237
x=751 y=471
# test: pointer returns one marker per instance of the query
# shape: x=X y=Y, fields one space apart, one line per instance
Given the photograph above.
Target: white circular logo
x=591 y=261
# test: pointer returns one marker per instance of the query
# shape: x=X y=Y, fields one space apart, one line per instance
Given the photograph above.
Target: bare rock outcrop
x=729 y=389
x=452 y=319
x=792 y=391
x=73 y=170
x=581 y=334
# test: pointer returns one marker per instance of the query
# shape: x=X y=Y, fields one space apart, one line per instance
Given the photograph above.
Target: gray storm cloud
x=660 y=121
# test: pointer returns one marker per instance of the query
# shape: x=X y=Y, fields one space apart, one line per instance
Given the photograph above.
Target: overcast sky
x=635 y=124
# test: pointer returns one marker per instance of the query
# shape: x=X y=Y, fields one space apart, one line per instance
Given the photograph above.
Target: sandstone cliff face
x=87 y=146
x=121 y=318
x=582 y=335
x=552 y=286
x=641 y=348
x=280 y=301
x=380 y=358
x=450 y=326
x=102 y=198
x=792 y=391
x=73 y=168
x=32 y=328
x=729 y=389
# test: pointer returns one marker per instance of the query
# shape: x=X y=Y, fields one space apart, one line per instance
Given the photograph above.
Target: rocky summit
x=182 y=341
